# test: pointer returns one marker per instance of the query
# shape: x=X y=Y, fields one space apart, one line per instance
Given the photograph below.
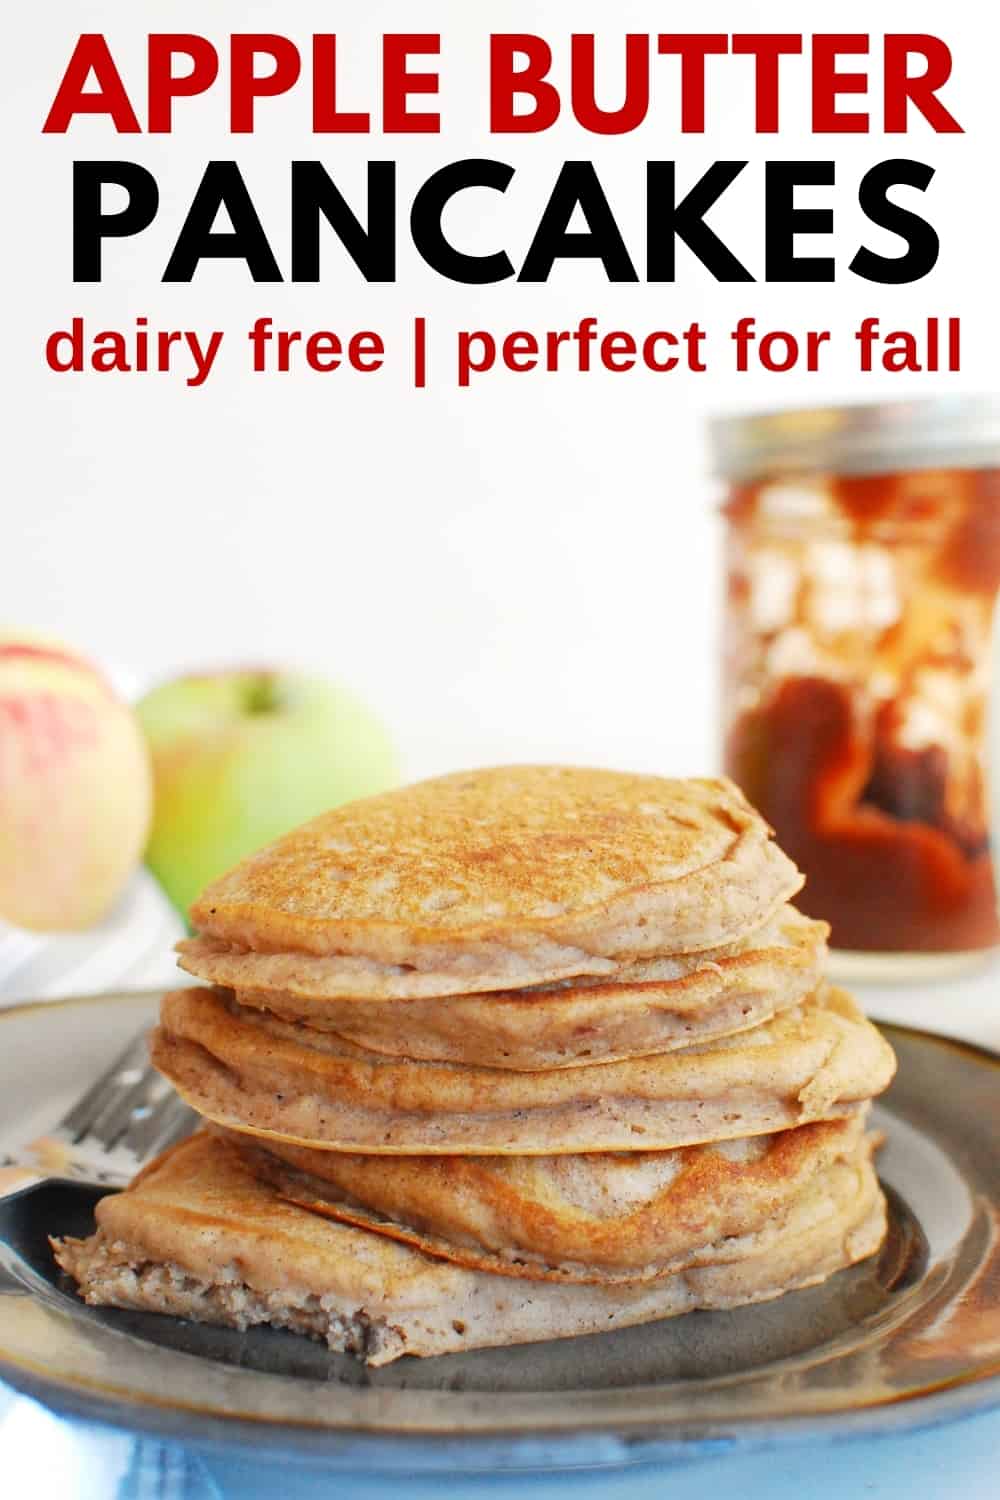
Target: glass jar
x=863 y=564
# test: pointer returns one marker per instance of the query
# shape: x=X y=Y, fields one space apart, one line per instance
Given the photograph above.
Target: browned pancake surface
x=544 y=866
x=587 y=1218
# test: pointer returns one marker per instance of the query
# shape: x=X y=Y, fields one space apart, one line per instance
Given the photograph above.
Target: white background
x=527 y=569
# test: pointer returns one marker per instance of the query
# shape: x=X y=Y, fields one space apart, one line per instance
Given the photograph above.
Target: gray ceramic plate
x=905 y=1339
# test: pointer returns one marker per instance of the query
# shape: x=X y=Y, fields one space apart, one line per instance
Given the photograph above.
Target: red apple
x=75 y=788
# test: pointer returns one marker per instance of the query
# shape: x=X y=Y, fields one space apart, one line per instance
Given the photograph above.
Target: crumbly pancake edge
x=456 y=1310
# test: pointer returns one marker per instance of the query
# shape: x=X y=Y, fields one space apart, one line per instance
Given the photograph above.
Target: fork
x=126 y=1116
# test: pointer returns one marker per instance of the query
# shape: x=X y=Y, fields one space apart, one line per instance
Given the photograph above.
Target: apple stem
x=263 y=695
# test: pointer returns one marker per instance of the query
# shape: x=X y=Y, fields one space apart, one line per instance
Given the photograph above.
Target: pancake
x=350 y=977
x=198 y=1236
x=654 y=1006
x=519 y=875
x=254 y=1072
x=598 y=1218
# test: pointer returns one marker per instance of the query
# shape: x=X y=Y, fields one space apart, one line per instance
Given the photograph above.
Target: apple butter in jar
x=863 y=565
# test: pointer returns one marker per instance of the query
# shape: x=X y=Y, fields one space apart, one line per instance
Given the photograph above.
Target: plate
x=905 y=1339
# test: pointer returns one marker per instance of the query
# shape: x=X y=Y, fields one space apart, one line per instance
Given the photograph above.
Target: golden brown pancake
x=197 y=1235
x=491 y=879
x=254 y=1072
x=592 y=1218
x=654 y=1006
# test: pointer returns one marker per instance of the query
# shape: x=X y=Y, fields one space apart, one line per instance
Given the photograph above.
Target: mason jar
x=862 y=570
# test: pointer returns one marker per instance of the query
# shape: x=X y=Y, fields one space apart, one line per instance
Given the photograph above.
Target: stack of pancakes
x=503 y=1056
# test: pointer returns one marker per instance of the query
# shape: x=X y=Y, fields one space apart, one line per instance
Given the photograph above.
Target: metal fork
x=129 y=1114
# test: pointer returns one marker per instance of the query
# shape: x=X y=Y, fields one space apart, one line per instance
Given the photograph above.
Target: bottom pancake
x=197 y=1235
x=610 y=1217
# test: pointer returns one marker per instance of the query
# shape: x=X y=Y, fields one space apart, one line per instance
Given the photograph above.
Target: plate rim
x=544 y=1449
x=612 y=1444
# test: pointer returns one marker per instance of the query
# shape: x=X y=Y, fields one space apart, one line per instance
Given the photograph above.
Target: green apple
x=242 y=756
x=75 y=788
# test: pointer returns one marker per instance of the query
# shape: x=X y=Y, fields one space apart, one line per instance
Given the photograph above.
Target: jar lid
x=890 y=437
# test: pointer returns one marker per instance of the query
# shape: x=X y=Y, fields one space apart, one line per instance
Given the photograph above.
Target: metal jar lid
x=891 y=437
